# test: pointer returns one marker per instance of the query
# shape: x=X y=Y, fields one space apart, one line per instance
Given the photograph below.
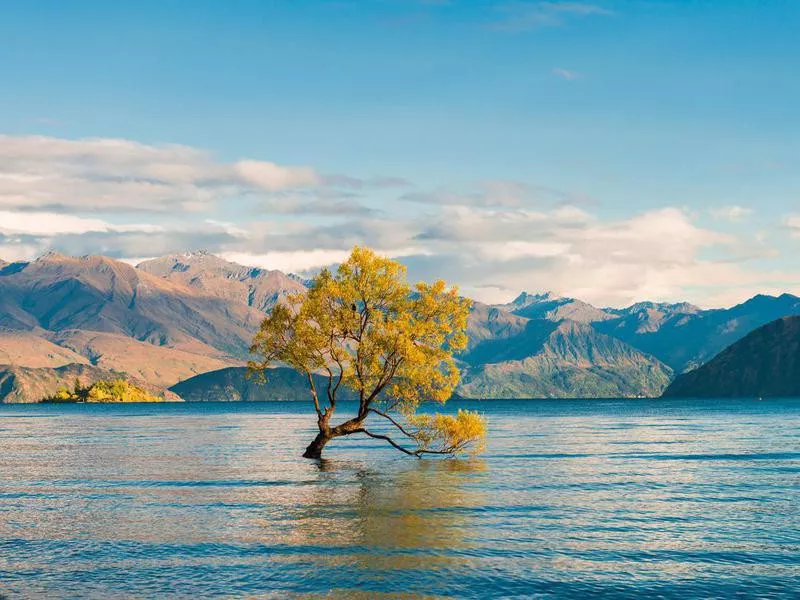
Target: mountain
x=557 y=360
x=210 y=275
x=555 y=308
x=647 y=317
x=233 y=384
x=57 y=293
x=96 y=293
x=167 y=321
x=685 y=337
x=27 y=385
x=766 y=363
x=487 y=323
x=28 y=349
x=160 y=365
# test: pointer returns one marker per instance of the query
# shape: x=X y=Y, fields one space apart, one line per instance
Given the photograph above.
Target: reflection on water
x=625 y=499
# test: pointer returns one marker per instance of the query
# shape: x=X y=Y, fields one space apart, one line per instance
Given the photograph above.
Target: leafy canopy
x=364 y=327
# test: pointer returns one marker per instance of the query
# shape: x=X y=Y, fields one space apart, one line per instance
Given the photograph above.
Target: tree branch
x=386 y=438
x=313 y=387
x=393 y=422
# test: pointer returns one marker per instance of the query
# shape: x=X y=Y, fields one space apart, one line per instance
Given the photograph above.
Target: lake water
x=572 y=499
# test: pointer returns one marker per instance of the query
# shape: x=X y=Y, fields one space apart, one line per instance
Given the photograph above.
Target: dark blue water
x=572 y=499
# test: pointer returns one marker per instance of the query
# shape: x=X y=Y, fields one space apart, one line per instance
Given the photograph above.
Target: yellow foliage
x=449 y=434
x=118 y=390
x=365 y=327
x=63 y=394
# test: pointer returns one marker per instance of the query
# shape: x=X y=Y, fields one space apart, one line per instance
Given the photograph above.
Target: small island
x=104 y=391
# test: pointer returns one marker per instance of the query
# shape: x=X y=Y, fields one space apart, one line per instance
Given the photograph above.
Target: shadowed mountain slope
x=233 y=384
x=490 y=323
x=765 y=363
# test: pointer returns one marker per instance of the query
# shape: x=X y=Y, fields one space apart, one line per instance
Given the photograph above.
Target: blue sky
x=618 y=151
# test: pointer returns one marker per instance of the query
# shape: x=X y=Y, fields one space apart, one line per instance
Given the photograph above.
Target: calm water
x=572 y=499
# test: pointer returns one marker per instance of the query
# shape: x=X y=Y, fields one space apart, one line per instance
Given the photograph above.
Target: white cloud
x=521 y=249
x=525 y=16
x=49 y=223
x=491 y=254
x=491 y=194
x=230 y=228
x=15 y=249
x=62 y=175
x=272 y=177
x=658 y=254
x=290 y=262
x=731 y=213
x=793 y=223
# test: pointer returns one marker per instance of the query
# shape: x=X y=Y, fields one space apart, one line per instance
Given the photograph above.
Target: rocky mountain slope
x=551 y=307
x=684 y=337
x=563 y=359
x=160 y=365
x=766 y=363
x=30 y=349
x=95 y=293
x=681 y=335
x=209 y=275
x=508 y=357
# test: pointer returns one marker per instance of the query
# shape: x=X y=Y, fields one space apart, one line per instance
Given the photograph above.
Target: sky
x=615 y=151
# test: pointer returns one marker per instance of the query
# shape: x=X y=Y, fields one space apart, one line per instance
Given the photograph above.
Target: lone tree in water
x=365 y=328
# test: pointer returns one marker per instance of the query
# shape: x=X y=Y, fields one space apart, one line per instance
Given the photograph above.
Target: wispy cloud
x=494 y=194
x=48 y=223
x=792 y=223
x=731 y=213
x=115 y=175
x=525 y=16
x=48 y=121
x=567 y=74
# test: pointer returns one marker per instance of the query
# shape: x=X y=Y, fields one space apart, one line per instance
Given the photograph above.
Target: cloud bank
x=493 y=238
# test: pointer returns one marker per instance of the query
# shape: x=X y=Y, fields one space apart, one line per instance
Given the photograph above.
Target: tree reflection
x=376 y=520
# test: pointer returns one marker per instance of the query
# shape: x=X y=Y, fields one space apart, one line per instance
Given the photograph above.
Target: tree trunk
x=314 y=449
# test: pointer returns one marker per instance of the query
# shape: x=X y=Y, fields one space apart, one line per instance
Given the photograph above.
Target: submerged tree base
x=314 y=449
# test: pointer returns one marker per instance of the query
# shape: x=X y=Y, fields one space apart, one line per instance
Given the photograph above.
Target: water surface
x=572 y=499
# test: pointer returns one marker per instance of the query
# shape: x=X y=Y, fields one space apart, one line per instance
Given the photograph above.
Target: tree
x=365 y=328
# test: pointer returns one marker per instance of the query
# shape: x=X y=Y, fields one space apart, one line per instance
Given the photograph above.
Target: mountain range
x=170 y=319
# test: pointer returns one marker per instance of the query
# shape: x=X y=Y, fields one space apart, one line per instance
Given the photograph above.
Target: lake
x=572 y=499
